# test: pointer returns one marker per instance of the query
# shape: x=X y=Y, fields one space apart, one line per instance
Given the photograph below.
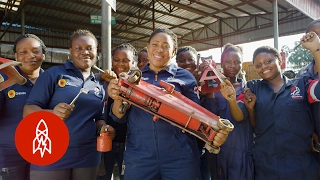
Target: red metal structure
x=169 y=105
x=211 y=79
x=13 y=76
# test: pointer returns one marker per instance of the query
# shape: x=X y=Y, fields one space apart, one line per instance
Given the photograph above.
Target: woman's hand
x=220 y=138
x=227 y=90
x=310 y=41
x=249 y=99
x=108 y=75
x=63 y=110
x=197 y=73
x=109 y=129
x=114 y=89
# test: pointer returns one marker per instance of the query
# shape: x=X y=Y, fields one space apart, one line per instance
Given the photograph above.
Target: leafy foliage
x=300 y=57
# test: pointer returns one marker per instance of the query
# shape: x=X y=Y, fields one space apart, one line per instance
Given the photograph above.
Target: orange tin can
x=104 y=142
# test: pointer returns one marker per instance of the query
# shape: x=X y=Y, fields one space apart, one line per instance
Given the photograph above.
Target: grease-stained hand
x=114 y=89
x=197 y=73
x=63 y=110
x=109 y=129
x=310 y=41
x=220 y=137
x=249 y=98
x=227 y=90
x=108 y=75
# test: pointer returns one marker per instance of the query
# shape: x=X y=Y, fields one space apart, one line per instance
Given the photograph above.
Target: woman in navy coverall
x=53 y=91
x=280 y=114
x=235 y=159
x=122 y=61
x=186 y=58
x=159 y=150
x=310 y=71
x=30 y=50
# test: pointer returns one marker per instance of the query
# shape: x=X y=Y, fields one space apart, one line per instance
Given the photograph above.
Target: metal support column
x=106 y=35
x=153 y=20
x=275 y=23
x=22 y=21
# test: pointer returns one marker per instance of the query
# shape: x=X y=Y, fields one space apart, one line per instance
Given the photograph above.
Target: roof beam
x=22 y=5
x=32 y=3
x=255 y=6
x=236 y=8
x=93 y=26
x=229 y=7
x=156 y=11
x=279 y=5
x=205 y=5
x=7 y=9
x=241 y=31
x=187 y=8
x=85 y=15
x=131 y=15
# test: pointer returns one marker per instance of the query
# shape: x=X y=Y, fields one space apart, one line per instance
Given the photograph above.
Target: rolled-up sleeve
x=314 y=91
x=123 y=119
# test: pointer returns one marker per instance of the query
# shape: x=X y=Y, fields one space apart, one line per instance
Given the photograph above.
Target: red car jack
x=169 y=105
x=14 y=77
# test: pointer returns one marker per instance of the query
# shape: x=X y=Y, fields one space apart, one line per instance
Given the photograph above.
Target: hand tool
x=82 y=90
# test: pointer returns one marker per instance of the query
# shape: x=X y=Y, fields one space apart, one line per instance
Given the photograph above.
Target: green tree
x=299 y=57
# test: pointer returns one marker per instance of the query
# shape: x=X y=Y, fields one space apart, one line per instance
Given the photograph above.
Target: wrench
x=311 y=35
x=218 y=76
x=82 y=90
x=96 y=67
x=216 y=73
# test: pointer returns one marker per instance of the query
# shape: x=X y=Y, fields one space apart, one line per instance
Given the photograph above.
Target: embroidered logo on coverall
x=295 y=92
x=11 y=93
x=144 y=78
x=62 y=82
x=172 y=79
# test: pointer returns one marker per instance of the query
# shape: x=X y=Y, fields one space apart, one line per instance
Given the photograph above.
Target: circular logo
x=11 y=93
x=62 y=82
x=42 y=138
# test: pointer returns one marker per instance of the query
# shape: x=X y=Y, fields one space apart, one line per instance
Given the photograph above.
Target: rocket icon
x=41 y=142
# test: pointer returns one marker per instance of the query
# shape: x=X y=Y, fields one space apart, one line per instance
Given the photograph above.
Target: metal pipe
x=275 y=23
x=106 y=35
x=22 y=21
x=95 y=67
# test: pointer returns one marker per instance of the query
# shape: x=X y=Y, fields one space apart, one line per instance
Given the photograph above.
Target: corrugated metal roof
x=204 y=24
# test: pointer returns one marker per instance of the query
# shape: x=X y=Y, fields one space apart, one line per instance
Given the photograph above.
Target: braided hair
x=82 y=32
x=230 y=48
x=187 y=48
x=144 y=50
x=125 y=46
x=43 y=47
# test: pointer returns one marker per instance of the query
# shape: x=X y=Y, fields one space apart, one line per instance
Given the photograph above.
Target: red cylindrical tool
x=104 y=142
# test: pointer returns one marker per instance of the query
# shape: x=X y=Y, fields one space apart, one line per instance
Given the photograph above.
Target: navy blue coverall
x=282 y=146
x=159 y=150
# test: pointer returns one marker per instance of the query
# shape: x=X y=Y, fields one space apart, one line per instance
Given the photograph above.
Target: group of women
x=274 y=109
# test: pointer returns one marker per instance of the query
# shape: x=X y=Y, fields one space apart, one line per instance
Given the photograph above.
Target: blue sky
x=248 y=48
